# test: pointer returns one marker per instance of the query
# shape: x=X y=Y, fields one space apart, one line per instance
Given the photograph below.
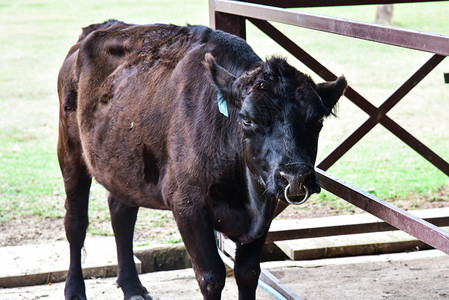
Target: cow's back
x=143 y=99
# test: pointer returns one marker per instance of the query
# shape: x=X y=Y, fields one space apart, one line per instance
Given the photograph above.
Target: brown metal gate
x=230 y=16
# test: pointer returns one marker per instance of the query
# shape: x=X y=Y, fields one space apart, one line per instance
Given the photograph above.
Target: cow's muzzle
x=306 y=195
x=299 y=187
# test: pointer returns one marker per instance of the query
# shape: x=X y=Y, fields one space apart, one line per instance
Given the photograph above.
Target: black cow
x=187 y=119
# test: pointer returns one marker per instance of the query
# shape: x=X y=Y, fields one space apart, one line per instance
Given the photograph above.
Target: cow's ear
x=221 y=78
x=331 y=91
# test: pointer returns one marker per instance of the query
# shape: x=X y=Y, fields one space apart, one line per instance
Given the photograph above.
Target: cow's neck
x=258 y=208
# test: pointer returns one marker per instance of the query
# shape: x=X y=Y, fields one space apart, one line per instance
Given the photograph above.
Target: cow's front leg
x=198 y=237
x=123 y=219
x=247 y=267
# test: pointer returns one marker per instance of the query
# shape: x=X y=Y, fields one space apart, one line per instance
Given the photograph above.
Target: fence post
x=226 y=22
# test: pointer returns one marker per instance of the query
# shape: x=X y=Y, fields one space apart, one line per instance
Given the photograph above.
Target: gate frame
x=230 y=16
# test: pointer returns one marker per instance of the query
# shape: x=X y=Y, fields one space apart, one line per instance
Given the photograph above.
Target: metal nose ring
x=306 y=196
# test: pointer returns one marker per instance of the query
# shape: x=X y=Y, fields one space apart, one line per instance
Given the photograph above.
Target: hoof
x=74 y=288
x=76 y=298
x=143 y=295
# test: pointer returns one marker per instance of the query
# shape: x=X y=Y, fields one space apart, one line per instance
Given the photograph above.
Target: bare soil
x=36 y=229
x=384 y=277
x=357 y=278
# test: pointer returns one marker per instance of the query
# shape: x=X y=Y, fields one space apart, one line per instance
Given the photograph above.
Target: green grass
x=36 y=35
x=34 y=39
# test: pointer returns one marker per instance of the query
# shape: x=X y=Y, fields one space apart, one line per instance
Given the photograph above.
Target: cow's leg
x=199 y=239
x=77 y=183
x=247 y=267
x=209 y=269
x=123 y=219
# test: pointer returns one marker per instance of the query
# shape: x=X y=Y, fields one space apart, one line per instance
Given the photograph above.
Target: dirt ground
x=36 y=229
x=381 y=277
x=405 y=276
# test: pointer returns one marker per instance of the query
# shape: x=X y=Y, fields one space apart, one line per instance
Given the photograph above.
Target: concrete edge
x=166 y=257
x=163 y=257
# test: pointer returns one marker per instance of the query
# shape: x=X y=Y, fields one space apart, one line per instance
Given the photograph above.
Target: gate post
x=230 y=23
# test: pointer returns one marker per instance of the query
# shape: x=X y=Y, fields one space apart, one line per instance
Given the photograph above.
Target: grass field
x=36 y=35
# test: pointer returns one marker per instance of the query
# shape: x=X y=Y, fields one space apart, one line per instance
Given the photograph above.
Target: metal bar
x=428 y=42
x=361 y=101
x=395 y=129
x=422 y=230
x=312 y=63
x=272 y=281
x=212 y=14
x=342 y=229
x=294 y=49
x=410 y=83
x=326 y=74
x=433 y=43
x=347 y=144
x=416 y=145
x=230 y=23
x=269 y=282
x=321 y=3
x=227 y=247
x=386 y=106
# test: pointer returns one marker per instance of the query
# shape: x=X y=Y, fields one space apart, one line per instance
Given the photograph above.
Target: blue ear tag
x=222 y=104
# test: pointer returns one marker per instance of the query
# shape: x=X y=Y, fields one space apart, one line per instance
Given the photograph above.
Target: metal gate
x=230 y=16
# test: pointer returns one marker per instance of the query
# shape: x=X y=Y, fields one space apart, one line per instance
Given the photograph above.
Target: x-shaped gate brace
x=230 y=16
x=376 y=115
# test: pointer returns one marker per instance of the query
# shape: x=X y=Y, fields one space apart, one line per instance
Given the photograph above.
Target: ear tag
x=222 y=105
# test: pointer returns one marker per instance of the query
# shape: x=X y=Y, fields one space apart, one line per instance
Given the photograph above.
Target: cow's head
x=281 y=112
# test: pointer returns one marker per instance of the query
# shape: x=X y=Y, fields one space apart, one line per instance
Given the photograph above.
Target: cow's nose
x=296 y=191
x=296 y=179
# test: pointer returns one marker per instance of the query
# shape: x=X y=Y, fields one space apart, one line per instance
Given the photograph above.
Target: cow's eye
x=247 y=122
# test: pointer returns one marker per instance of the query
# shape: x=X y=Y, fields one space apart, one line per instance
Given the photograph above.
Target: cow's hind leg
x=77 y=183
x=123 y=219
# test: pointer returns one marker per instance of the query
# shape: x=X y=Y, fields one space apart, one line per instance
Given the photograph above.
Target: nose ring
x=306 y=196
